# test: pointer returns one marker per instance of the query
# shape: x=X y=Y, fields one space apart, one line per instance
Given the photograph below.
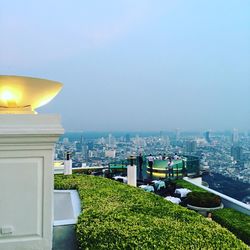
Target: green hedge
x=236 y=222
x=190 y=186
x=201 y=199
x=117 y=216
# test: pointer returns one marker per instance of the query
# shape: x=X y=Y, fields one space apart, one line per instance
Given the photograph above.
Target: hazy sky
x=134 y=64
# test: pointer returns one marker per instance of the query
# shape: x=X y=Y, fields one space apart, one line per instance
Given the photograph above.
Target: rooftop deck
x=107 y=213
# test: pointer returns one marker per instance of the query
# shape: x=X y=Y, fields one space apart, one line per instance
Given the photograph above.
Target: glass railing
x=183 y=166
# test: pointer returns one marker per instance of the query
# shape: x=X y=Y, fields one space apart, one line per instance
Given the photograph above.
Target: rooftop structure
x=26 y=156
x=122 y=216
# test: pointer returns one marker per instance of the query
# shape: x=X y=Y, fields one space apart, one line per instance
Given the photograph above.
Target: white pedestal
x=67 y=167
x=26 y=180
x=132 y=175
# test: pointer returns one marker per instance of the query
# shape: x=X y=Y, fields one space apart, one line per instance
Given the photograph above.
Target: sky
x=134 y=65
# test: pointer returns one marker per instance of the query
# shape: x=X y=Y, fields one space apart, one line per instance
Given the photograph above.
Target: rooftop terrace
x=117 y=216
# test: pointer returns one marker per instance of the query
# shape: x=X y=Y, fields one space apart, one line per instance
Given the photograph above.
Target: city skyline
x=135 y=66
x=222 y=159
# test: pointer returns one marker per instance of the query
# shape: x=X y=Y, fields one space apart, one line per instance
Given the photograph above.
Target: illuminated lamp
x=27 y=145
x=22 y=95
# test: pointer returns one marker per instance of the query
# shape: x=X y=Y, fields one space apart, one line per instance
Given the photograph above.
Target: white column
x=132 y=175
x=67 y=167
x=26 y=180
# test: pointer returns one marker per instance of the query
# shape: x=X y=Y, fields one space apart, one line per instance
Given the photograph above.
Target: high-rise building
x=82 y=140
x=207 y=136
x=110 y=153
x=237 y=153
x=90 y=145
x=111 y=141
x=177 y=134
x=127 y=137
x=78 y=146
x=235 y=136
x=65 y=140
x=137 y=140
x=190 y=146
x=85 y=151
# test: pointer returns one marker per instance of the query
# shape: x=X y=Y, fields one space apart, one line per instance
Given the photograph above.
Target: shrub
x=201 y=199
x=117 y=216
x=190 y=186
x=236 y=222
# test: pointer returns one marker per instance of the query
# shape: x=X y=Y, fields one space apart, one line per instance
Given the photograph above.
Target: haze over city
x=135 y=65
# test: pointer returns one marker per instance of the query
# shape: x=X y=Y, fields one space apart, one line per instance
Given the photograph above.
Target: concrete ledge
x=40 y=124
x=67 y=207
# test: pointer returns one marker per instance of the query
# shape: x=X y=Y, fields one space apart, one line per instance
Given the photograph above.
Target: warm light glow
x=45 y=100
x=58 y=163
x=20 y=94
x=7 y=95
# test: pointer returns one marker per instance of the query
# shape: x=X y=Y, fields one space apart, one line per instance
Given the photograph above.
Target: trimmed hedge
x=190 y=186
x=201 y=199
x=236 y=222
x=117 y=216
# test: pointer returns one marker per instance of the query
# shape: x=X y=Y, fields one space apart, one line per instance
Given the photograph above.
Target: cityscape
x=221 y=154
x=125 y=125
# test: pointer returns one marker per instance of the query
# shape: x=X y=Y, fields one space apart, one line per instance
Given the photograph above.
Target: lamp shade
x=24 y=94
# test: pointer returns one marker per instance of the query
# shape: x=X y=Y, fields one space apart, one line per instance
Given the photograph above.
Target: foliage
x=190 y=186
x=236 y=222
x=117 y=216
x=201 y=199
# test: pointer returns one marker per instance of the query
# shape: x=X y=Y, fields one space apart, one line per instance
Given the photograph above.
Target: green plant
x=190 y=186
x=201 y=199
x=117 y=216
x=236 y=222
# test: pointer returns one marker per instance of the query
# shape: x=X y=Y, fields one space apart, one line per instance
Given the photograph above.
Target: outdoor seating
x=120 y=178
x=147 y=188
x=173 y=199
x=177 y=195
x=158 y=184
x=182 y=191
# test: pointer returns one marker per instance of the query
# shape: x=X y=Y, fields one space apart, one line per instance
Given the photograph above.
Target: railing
x=226 y=200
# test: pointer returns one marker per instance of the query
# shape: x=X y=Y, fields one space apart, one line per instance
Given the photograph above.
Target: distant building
x=90 y=145
x=82 y=140
x=110 y=153
x=138 y=141
x=207 y=136
x=191 y=146
x=237 y=153
x=127 y=138
x=85 y=152
x=102 y=140
x=78 y=156
x=78 y=146
x=235 y=136
x=177 y=134
x=111 y=141
x=92 y=153
x=65 y=140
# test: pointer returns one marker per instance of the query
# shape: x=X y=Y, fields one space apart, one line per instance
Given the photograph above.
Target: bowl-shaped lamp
x=22 y=95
